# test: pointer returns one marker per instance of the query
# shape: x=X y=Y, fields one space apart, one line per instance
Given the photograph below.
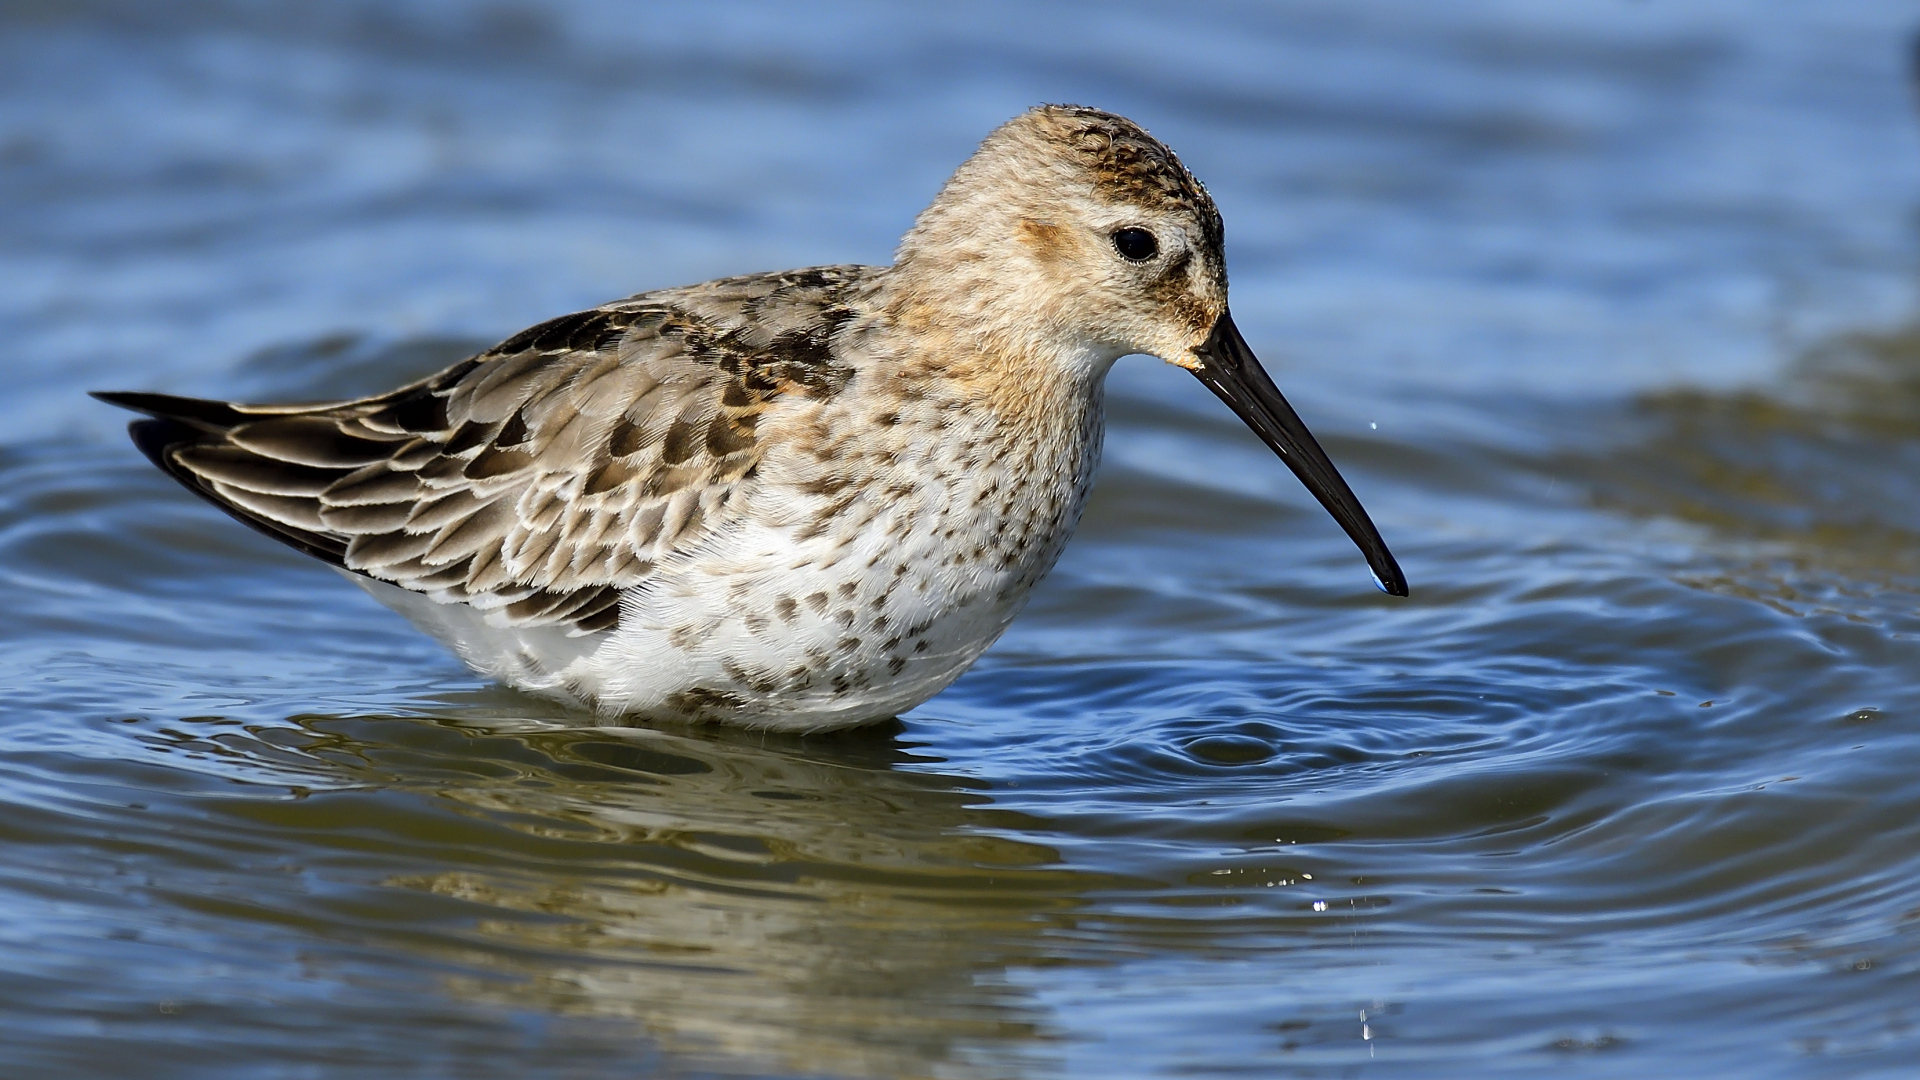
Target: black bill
x=1229 y=369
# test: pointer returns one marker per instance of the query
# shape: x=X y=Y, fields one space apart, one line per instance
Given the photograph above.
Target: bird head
x=1073 y=235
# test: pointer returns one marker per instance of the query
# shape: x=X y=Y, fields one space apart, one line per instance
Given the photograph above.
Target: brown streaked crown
x=1127 y=164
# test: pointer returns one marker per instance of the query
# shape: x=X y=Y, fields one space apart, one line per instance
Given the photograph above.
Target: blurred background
x=1607 y=308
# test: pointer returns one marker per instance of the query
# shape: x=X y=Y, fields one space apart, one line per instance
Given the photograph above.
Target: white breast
x=865 y=576
x=842 y=602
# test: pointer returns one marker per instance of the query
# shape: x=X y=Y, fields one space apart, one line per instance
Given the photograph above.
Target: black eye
x=1136 y=244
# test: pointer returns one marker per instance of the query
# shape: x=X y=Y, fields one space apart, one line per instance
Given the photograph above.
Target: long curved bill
x=1229 y=369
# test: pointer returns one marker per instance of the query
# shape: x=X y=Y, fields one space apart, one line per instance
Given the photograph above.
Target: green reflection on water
x=1809 y=485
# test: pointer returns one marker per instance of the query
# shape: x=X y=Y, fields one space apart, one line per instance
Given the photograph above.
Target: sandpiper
x=802 y=500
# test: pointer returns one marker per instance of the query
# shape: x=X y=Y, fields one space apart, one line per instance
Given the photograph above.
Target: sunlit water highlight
x=1604 y=308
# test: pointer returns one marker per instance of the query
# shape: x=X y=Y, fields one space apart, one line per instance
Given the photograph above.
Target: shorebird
x=802 y=500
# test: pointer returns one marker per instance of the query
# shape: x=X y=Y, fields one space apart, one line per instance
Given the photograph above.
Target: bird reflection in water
x=821 y=905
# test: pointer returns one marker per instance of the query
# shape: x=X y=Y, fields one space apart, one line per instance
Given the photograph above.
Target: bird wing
x=536 y=480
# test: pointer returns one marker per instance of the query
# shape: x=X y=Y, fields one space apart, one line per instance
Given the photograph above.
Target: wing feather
x=537 y=480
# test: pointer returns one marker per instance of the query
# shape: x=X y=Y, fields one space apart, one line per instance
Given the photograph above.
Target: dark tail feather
x=201 y=413
x=156 y=437
x=183 y=422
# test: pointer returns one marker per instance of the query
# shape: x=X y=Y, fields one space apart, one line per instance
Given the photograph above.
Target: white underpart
x=742 y=615
x=530 y=658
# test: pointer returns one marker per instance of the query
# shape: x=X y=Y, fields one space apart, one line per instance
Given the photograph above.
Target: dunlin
x=800 y=500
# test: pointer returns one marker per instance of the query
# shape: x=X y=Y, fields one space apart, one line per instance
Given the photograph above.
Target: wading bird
x=800 y=500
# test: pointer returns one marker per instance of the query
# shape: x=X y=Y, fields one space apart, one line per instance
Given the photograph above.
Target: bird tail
x=190 y=439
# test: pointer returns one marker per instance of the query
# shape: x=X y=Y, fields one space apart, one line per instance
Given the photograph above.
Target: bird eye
x=1136 y=244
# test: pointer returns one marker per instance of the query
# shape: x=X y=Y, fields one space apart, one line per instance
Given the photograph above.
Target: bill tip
x=1397 y=588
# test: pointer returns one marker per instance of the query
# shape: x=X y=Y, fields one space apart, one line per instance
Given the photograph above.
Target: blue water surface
x=1606 y=308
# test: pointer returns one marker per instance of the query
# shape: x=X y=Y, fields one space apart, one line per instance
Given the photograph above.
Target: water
x=1607 y=309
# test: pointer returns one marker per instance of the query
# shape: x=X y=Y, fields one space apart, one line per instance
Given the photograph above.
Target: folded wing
x=534 y=481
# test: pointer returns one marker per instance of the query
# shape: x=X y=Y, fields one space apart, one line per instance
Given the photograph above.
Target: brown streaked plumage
x=799 y=500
